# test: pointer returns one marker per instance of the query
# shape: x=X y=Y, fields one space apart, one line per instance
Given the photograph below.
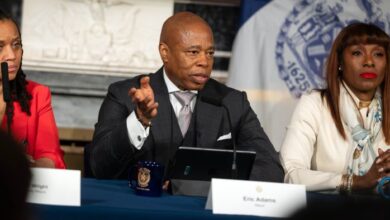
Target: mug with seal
x=146 y=178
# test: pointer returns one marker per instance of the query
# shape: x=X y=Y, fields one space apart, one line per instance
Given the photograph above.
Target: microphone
x=5 y=82
x=219 y=102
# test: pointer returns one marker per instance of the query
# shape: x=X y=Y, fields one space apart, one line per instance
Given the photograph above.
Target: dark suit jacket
x=112 y=153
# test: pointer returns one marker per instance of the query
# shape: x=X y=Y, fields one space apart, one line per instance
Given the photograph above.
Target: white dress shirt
x=137 y=132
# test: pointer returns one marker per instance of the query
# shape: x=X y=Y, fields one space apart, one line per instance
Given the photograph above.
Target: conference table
x=113 y=199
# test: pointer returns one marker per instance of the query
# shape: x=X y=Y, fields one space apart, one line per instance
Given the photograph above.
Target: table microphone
x=5 y=82
x=219 y=102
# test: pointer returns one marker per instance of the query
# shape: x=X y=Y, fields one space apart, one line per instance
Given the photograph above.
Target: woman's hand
x=41 y=162
x=379 y=169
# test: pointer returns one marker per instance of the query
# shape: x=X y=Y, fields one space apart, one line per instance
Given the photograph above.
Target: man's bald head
x=180 y=23
x=187 y=50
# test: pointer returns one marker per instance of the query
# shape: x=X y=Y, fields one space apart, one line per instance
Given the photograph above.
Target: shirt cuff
x=137 y=132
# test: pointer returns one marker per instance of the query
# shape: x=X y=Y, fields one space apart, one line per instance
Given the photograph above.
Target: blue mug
x=146 y=178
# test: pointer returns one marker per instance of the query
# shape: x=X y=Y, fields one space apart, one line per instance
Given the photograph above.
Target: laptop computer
x=194 y=167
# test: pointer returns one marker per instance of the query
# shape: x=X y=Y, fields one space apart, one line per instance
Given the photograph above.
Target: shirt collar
x=354 y=97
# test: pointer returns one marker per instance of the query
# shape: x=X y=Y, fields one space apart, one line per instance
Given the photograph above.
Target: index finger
x=145 y=82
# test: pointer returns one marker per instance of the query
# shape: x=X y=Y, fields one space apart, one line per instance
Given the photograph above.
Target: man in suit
x=142 y=118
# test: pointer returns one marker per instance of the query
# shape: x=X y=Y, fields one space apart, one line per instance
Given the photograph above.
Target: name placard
x=55 y=187
x=242 y=197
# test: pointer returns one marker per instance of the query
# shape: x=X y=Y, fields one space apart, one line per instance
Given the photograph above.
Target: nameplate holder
x=240 y=197
x=55 y=187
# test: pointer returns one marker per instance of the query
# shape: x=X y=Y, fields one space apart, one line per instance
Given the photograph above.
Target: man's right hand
x=144 y=99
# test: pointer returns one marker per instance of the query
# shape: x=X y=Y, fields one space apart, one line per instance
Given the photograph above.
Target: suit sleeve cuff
x=137 y=132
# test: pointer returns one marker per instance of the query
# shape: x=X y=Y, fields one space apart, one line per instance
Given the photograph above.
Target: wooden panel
x=75 y=134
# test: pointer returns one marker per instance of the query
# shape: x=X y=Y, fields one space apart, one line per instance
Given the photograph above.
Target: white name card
x=55 y=187
x=242 y=197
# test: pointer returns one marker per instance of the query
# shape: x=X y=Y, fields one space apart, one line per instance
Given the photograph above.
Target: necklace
x=363 y=104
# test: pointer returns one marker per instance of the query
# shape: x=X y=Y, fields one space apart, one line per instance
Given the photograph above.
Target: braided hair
x=18 y=86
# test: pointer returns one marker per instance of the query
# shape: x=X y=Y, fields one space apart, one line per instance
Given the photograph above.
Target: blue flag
x=281 y=47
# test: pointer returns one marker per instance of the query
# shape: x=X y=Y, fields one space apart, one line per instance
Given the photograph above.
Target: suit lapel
x=161 y=124
x=208 y=119
x=165 y=121
x=208 y=123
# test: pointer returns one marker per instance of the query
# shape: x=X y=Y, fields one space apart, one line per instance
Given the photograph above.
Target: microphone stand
x=5 y=82
x=6 y=90
x=234 y=162
x=218 y=102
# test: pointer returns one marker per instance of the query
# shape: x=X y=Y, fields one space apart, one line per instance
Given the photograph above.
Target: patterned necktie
x=185 y=112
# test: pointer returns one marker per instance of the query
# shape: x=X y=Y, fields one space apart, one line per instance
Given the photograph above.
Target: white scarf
x=362 y=155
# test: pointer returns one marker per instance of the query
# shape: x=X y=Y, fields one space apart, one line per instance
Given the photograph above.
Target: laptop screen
x=193 y=163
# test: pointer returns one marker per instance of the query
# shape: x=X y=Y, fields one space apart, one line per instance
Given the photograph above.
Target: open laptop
x=194 y=167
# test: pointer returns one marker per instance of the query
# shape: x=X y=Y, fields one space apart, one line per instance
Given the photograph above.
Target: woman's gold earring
x=340 y=68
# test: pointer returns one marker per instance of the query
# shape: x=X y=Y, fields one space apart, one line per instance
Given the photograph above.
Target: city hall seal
x=307 y=34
